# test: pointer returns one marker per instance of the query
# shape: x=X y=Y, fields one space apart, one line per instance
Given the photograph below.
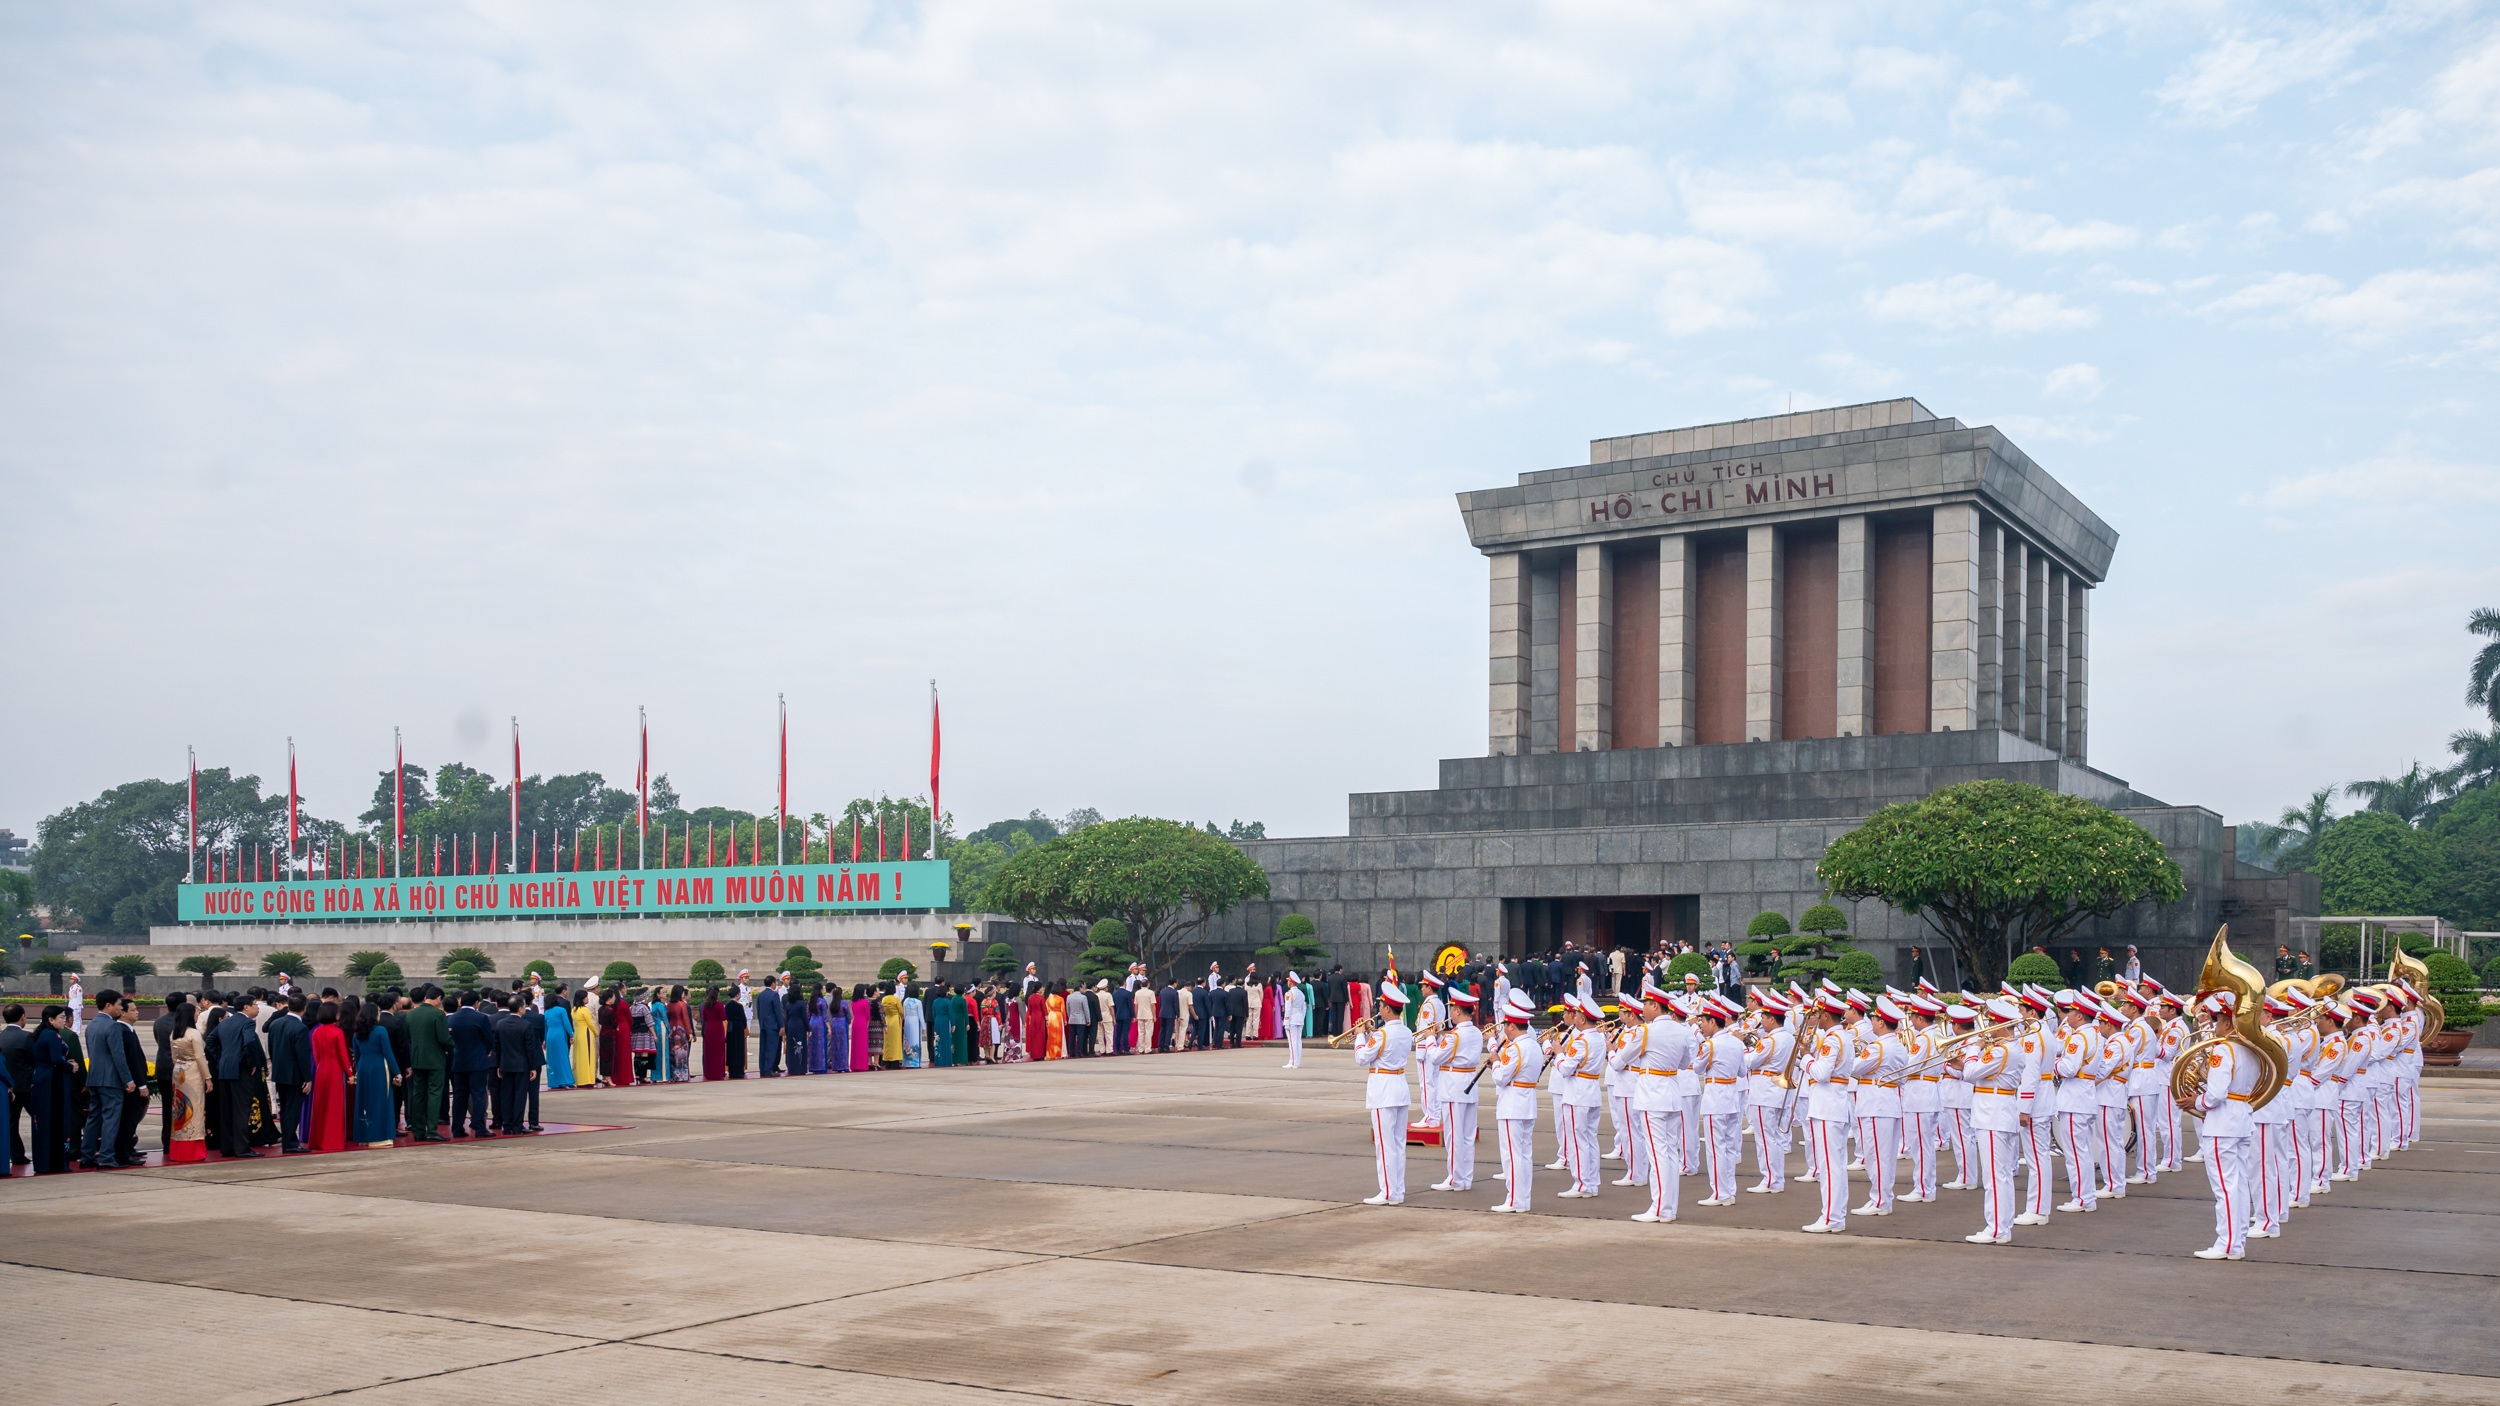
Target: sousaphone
x=2246 y=1028
x=2416 y=973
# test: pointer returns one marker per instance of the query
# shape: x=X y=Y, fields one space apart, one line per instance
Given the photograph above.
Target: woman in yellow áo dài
x=891 y=1005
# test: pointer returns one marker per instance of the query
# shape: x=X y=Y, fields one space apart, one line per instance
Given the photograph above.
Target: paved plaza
x=1180 y=1228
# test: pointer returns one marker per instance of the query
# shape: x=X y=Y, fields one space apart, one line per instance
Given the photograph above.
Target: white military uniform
x=2110 y=1087
x=1577 y=1085
x=1719 y=1062
x=1993 y=1075
x=1384 y=1054
x=1631 y=1137
x=1434 y=1011
x=2143 y=1070
x=2272 y=1164
x=1922 y=1099
x=1297 y=1009
x=1767 y=1105
x=2077 y=1050
x=1651 y=1056
x=1514 y=1071
x=2230 y=1083
x=1462 y=1055
x=1828 y=1110
x=1878 y=1069
x=1954 y=1101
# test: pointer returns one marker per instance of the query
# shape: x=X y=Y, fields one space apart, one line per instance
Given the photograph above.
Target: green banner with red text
x=794 y=888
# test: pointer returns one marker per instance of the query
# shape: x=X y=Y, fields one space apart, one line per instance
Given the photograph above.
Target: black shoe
x=253 y=1153
x=290 y=1150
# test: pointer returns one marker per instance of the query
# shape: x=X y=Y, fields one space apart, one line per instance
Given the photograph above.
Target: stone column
x=1762 y=634
x=1856 y=711
x=1953 y=664
x=1677 y=637
x=2078 y=613
x=2016 y=648
x=2035 y=641
x=1507 y=731
x=1593 y=655
x=1991 y=624
x=2053 y=673
x=1544 y=656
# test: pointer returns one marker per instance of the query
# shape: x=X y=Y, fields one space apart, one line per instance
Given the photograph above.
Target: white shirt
x=1385 y=1053
x=1454 y=1068
x=1579 y=1068
x=1720 y=1065
x=1515 y=1070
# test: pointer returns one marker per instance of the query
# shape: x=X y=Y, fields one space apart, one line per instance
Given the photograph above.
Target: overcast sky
x=1115 y=364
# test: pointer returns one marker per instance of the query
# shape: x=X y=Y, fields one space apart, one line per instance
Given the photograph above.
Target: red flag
x=191 y=849
x=642 y=790
x=907 y=834
x=291 y=832
x=854 y=839
x=781 y=805
x=494 y=857
x=598 y=837
x=533 y=851
x=934 y=810
x=516 y=793
x=711 y=856
x=399 y=801
x=881 y=837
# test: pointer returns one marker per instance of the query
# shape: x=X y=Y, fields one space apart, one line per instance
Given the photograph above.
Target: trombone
x=1950 y=1047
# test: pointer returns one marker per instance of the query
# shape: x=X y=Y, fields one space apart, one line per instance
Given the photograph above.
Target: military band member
x=2078 y=1103
x=1877 y=1071
x=1719 y=1063
x=1513 y=1067
x=2109 y=1086
x=2175 y=1033
x=2302 y=1044
x=2352 y=1094
x=1922 y=1098
x=2144 y=1036
x=2222 y=1111
x=1954 y=1105
x=1680 y=1008
x=2270 y=1160
x=1631 y=1133
x=2038 y=1094
x=1993 y=1072
x=1462 y=1054
x=1577 y=1084
x=1383 y=1053
x=1829 y=1108
x=1766 y=1097
x=1651 y=1058
x=1433 y=1014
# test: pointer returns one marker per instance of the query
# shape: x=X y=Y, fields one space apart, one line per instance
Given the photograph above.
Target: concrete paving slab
x=210 y=1348
x=1151 y=1334
x=1022 y=1217
x=576 y=1274
x=625 y=1373
x=1071 y=1163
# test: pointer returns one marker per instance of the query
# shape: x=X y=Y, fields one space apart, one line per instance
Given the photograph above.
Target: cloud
x=2041 y=234
x=1967 y=302
x=2398 y=303
x=2226 y=81
x=2408 y=488
x=2079 y=381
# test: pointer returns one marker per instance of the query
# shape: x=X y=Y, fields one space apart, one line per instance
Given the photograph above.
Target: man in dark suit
x=1236 y=1013
x=734 y=1033
x=1123 y=1018
x=1332 y=994
x=237 y=1067
x=164 y=1080
x=134 y=1107
x=429 y=1059
x=512 y=1068
x=1167 y=1010
x=472 y=1065
x=290 y=1067
x=768 y=1021
x=17 y=1050
x=535 y=1040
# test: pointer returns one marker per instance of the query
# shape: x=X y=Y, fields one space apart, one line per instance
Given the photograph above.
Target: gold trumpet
x=2224 y=971
x=1950 y=1047
x=1356 y=1031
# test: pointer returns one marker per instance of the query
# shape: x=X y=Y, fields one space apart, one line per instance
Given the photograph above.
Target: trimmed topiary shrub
x=1000 y=960
x=475 y=956
x=894 y=967
x=459 y=976
x=539 y=967
x=2453 y=983
x=1767 y=925
x=2035 y=969
x=382 y=974
x=705 y=969
x=615 y=972
x=1854 y=968
x=1688 y=964
x=1824 y=919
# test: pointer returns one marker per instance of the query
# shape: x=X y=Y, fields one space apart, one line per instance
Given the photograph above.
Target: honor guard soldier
x=1955 y=1102
x=1680 y=1009
x=2109 y=1086
x=1719 y=1061
x=1577 y=1084
x=2143 y=1063
x=2222 y=1111
x=2271 y=1163
x=1879 y=1067
x=1651 y=1057
x=1829 y=1108
x=1631 y=1135
x=2039 y=1105
x=1383 y=1054
x=1513 y=1067
x=2078 y=1103
x=1992 y=1071
x=1922 y=1097
x=1767 y=1093
x=1462 y=1054
x=2301 y=1044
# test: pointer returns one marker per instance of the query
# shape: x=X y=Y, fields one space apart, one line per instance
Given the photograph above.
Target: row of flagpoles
x=236 y=863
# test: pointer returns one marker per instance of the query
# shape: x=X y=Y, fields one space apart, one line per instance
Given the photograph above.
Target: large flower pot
x=2445 y=1047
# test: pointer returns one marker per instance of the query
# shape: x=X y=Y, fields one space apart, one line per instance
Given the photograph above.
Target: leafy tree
x=458 y=975
x=382 y=975
x=969 y=866
x=1107 y=953
x=475 y=956
x=360 y=964
x=1823 y=919
x=1000 y=960
x=1858 y=969
x=1297 y=943
x=2377 y=863
x=129 y=966
x=893 y=967
x=2035 y=969
x=2409 y=797
x=208 y=965
x=1240 y=830
x=2478 y=760
x=2468 y=836
x=2308 y=825
x=802 y=969
x=1998 y=866
x=2482 y=686
x=56 y=965
x=797 y=951
x=2491 y=974
x=707 y=970
x=17 y=901
x=292 y=963
x=539 y=967
x=1010 y=835
x=619 y=972
x=1164 y=879
x=8 y=961
x=115 y=862
x=1767 y=925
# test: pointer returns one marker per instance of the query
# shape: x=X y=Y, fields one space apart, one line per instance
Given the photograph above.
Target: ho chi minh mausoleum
x=1711 y=652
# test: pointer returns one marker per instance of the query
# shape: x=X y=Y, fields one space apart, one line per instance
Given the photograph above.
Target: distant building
x=12 y=850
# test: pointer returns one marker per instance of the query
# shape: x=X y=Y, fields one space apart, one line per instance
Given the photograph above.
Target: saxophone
x=2247 y=1028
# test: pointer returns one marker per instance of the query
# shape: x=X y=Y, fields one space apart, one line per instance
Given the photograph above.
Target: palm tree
x=2408 y=797
x=2482 y=685
x=2308 y=824
x=2478 y=760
